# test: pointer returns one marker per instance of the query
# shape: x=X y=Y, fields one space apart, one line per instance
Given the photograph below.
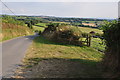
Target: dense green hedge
x=112 y=54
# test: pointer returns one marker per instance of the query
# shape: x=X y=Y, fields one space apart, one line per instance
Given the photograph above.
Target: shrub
x=63 y=33
x=111 y=59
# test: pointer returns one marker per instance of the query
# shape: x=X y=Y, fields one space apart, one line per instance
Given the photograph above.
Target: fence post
x=89 y=40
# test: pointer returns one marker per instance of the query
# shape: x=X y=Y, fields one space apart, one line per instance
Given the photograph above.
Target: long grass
x=10 y=31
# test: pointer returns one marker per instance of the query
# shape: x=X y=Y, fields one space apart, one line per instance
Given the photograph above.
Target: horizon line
x=57 y=16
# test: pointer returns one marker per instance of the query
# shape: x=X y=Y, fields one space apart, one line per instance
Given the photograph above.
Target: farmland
x=88 y=30
x=41 y=25
x=36 y=28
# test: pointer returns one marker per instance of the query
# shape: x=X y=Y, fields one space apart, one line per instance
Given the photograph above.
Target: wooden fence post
x=89 y=40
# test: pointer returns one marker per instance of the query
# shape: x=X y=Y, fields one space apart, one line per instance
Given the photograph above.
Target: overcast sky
x=64 y=9
x=60 y=0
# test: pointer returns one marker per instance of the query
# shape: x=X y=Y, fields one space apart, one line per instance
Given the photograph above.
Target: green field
x=38 y=28
x=87 y=30
x=41 y=24
x=96 y=43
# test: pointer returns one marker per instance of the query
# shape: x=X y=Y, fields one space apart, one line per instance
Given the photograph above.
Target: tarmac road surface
x=13 y=51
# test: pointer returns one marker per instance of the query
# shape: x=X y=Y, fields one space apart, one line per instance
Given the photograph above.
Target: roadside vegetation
x=12 y=28
x=10 y=31
x=111 y=60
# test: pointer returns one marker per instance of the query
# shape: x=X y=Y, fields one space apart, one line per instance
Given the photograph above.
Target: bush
x=62 y=33
x=111 y=59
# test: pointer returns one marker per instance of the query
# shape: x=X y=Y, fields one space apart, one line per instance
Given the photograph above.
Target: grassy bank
x=67 y=51
x=10 y=31
x=88 y=30
x=48 y=59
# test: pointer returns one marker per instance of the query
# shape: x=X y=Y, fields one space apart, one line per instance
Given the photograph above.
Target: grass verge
x=46 y=59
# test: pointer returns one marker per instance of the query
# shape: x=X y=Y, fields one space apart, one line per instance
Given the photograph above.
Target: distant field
x=87 y=30
x=89 y=24
x=41 y=24
x=92 y=21
x=61 y=22
x=38 y=28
